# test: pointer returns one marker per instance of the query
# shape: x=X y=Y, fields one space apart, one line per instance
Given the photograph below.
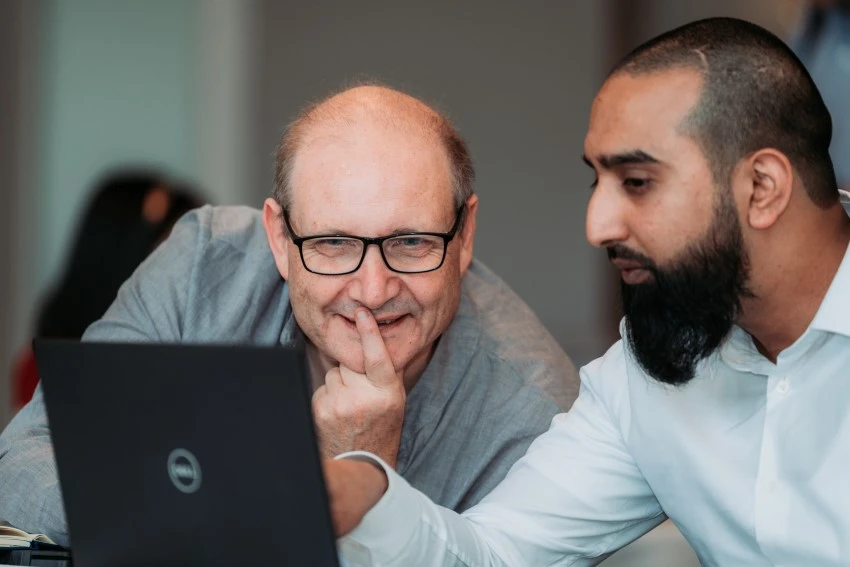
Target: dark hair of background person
x=129 y=213
x=756 y=94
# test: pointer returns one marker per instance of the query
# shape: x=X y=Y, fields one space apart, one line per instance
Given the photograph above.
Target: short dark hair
x=462 y=169
x=756 y=94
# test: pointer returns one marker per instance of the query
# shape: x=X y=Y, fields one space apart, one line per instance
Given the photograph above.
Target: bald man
x=367 y=239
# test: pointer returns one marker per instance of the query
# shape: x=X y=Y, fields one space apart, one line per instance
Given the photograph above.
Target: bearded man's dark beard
x=686 y=310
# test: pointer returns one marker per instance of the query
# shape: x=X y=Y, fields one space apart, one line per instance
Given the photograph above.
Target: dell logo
x=184 y=471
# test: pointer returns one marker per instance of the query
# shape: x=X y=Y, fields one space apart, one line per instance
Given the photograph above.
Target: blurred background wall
x=89 y=85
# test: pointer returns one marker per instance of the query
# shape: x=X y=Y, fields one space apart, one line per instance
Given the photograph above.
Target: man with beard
x=725 y=406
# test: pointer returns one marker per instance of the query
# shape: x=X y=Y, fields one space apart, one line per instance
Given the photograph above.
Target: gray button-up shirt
x=494 y=383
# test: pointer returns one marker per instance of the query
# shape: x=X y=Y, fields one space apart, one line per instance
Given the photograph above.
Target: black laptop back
x=185 y=455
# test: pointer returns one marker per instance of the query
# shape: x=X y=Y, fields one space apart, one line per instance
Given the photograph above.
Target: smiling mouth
x=384 y=324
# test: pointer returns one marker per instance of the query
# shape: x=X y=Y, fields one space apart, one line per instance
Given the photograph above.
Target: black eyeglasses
x=340 y=254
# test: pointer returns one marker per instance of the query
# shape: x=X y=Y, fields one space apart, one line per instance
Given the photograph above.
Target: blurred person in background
x=129 y=213
x=822 y=42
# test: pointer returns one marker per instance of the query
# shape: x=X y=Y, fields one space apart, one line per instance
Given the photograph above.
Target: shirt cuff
x=385 y=530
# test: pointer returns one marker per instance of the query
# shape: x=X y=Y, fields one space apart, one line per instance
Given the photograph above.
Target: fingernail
x=361 y=314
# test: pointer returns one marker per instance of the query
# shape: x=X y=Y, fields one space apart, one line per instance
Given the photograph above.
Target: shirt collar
x=291 y=333
x=740 y=353
x=833 y=315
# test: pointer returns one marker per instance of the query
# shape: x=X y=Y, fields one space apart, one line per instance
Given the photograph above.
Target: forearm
x=575 y=497
x=405 y=528
x=31 y=499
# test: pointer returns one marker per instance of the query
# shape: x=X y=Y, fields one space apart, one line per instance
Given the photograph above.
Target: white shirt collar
x=833 y=315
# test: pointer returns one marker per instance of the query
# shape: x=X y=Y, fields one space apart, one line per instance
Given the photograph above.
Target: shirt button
x=772 y=486
x=783 y=386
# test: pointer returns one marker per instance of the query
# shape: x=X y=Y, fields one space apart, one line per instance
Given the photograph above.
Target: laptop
x=186 y=455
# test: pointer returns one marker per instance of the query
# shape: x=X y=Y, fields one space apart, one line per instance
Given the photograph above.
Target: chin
x=355 y=362
x=351 y=360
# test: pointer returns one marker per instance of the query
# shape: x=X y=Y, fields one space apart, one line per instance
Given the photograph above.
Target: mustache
x=394 y=307
x=625 y=253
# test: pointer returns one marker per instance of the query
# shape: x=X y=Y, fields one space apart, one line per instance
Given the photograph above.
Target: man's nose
x=374 y=283
x=605 y=224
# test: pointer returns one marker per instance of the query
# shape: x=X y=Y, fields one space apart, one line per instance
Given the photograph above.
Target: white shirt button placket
x=770 y=502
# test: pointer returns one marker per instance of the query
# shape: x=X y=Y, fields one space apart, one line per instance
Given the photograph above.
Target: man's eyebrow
x=635 y=157
x=332 y=232
x=347 y=233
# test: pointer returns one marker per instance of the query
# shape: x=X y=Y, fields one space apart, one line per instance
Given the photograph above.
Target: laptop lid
x=186 y=455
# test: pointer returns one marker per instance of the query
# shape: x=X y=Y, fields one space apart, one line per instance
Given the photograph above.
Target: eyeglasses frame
x=378 y=241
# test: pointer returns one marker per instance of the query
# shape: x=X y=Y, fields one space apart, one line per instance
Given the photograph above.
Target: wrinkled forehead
x=369 y=176
x=646 y=111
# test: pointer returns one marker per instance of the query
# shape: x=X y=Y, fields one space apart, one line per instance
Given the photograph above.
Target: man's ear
x=276 y=235
x=768 y=176
x=467 y=233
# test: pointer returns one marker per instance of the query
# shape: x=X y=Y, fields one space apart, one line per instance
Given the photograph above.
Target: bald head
x=372 y=108
x=370 y=105
x=755 y=94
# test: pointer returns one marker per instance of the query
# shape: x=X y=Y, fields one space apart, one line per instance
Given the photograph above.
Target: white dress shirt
x=751 y=460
